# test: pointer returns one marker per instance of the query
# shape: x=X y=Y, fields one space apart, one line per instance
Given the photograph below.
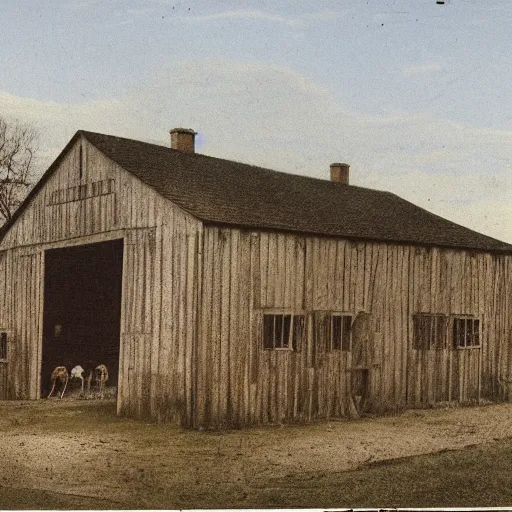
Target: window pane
x=286 y=328
x=340 y=332
x=456 y=339
x=429 y=331
x=268 y=331
x=423 y=333
x=476 y=333
x=3 y=345
x=347 y=327
x=337 y=332
x=466 y=332
x=278 y=332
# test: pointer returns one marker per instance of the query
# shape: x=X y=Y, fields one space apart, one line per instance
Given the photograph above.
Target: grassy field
x=78 y=454
x=479 y=476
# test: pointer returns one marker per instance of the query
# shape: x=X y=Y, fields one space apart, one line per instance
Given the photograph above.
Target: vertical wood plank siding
x=160 y=285
x=194 y=296
x=249 y=273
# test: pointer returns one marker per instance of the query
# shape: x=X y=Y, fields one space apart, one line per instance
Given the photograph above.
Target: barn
x=223 y=294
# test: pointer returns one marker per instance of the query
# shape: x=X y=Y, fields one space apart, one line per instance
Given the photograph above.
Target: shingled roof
x=235 y=194
x=232 y=193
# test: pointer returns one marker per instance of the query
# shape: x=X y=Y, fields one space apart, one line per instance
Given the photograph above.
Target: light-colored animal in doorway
x=60 y=373
x=77 y=373
x=101 y=377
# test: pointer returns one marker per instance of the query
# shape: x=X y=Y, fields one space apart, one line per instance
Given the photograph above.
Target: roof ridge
x=235 y=193
x=226 y=192
x=224 y=160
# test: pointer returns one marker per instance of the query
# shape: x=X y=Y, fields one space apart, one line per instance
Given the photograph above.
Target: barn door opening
x=82 y=309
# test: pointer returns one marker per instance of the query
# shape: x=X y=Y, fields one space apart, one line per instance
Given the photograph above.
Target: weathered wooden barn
x=219 y=293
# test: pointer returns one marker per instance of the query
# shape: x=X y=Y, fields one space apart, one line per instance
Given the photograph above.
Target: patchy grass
x=479 y=476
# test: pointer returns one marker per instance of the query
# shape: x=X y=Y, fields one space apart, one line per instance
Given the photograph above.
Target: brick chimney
x=339 y=173
x=183 y=139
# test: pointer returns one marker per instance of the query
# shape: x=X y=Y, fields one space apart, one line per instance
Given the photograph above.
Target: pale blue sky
x=414 y=95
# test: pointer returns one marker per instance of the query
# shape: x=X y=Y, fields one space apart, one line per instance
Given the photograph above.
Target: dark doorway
x=82 y=309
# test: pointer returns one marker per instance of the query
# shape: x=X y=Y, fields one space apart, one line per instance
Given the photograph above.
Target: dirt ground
x=79 y=454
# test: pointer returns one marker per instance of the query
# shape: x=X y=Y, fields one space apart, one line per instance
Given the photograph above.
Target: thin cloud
x=80 y=5
x=259 y=15
x=454 y=170
x=421 y=69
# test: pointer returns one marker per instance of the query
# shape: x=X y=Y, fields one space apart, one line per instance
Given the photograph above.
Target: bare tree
x=18 y=146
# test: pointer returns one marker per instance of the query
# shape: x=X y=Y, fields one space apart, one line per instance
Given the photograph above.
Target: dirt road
x=78 y=454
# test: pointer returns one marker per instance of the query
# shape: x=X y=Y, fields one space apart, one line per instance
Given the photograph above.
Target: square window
x=466 y=332
x=332 y=332
x=429 y=331
x=282 y=331
x=340 y=332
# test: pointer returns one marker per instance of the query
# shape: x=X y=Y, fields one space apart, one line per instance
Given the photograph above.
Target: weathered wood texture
x=249 y=273
x=4 y=305
x=106 y=199
x=194 y=296
x=160 y=286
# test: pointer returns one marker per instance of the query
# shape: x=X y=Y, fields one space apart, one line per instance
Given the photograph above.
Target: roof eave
x=355 y=238
x=38 y=186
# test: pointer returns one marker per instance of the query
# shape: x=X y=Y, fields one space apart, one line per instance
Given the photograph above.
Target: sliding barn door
x=138 y=319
